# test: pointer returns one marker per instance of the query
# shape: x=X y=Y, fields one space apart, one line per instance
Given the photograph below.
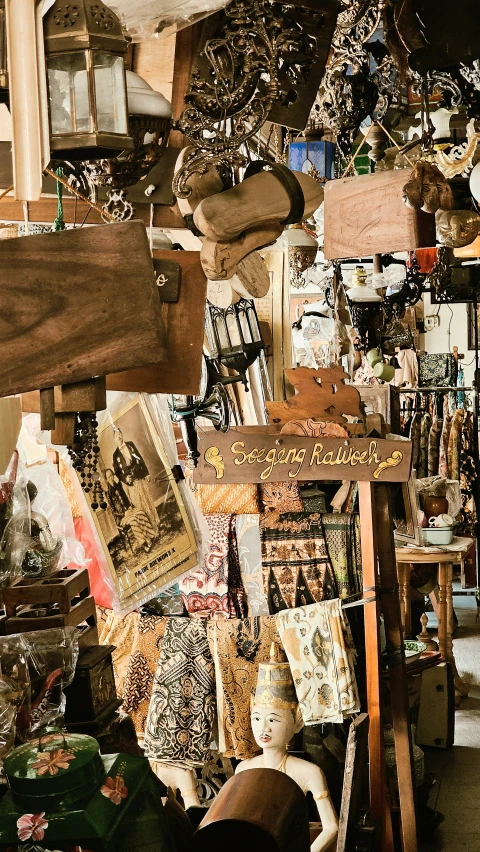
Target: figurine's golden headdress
x=275 y=687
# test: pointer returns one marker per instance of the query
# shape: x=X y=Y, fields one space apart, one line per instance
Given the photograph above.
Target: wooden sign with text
x=249 y=455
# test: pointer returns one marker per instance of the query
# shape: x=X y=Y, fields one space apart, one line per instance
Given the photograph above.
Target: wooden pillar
x=372 y=659
x=396 y=665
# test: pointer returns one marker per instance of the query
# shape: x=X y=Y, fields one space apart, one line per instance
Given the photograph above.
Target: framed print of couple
x=145 y=530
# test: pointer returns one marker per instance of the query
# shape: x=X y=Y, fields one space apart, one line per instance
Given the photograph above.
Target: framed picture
x=145 y=530
x=405 y=512
x=471 y=324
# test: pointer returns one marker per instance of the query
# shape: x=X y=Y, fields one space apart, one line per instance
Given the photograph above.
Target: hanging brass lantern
x=85 y=56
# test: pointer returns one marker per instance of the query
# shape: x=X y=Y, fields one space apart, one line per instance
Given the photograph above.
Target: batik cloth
x=434 y=447
x=145 y=654
x=342 y=537
x=250 y=557
x=236 y=499
x=443 y=460
x=455 y=444
x=296 y=567
x=118 y=630
x=215 y=588
x=238 y=647
x=415 y=437
x=319 y=647
x=182 y=707
x=280 y=497
x=422 y=470
x=468 y=476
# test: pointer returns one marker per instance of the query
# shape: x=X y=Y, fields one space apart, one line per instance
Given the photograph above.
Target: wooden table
x=445 y=557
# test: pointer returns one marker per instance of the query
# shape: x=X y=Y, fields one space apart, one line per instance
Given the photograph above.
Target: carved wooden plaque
x=250 y=455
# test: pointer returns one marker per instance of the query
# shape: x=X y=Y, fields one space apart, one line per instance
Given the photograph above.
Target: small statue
x=275 y=719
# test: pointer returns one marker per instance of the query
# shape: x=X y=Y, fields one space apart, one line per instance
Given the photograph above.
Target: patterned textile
x=434 y=447
x=170 y=601
x=443 y=460
x=230 y=499
x=118 y=630
x=342 y=537
x=280 y=497
x=436 y=370
x=415 y=437
x=143 y=663
x=454 y=444
x=468 y=476
x=426 y=426
x=182 y=707
x=319 y=647
x=238 y=647
x=296 y=567
x=216 y=587
x=250 y=556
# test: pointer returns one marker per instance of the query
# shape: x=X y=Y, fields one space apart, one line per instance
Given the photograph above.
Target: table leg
x=403 y=572
x=445 y=621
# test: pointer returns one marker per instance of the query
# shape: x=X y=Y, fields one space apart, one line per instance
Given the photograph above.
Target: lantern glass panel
x=68 y=94
x=110 y=93
x=233 y=330
x=255 y=329
x=223 y=340
x=247 y=335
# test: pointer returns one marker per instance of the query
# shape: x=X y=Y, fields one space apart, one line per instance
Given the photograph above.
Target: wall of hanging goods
x=239 y=424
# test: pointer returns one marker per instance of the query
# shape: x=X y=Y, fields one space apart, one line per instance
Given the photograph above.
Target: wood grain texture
x=202 y=186
x=253 y=454
x=221 y=257
x=186 y=50
x=321 y=395
x=77 y=304
x=353 y=778
x=396 y=666
x=10 y=425
x=259 y=199
x=372 y=650
x=185 y=324
x=365 y=215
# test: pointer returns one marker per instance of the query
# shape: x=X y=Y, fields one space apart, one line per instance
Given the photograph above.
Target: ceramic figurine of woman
x=275 y=719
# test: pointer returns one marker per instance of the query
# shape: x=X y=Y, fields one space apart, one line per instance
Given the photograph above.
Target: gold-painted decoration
x=392 y=461
x=275 y=687
x=213 y=457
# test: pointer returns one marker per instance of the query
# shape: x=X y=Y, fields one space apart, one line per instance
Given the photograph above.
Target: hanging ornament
x=84 y=453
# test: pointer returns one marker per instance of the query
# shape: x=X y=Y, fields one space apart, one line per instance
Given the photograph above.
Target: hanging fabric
x=342 y=537
x=296 y=566
x=142 y=666
x=238 y=647
x=455 y=443
x=182 y=707
x=434 y=439
x=250 y=557
x=443 y=461
x=468 y=475
x=216 y=586
x=319 y=647
x=426 y=425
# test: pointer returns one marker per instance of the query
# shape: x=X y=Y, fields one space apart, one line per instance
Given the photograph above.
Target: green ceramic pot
x=54 y=771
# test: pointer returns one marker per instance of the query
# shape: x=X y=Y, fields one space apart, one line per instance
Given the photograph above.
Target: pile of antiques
x=239 y=452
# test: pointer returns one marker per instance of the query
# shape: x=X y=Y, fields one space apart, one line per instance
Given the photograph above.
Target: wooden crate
x=366 y=214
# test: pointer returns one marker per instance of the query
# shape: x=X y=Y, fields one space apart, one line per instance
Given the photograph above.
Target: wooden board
x=353 y=782
x=185 y=323
x=77 y=304
x=10 y=425
x=253 y=455
x=366 y=215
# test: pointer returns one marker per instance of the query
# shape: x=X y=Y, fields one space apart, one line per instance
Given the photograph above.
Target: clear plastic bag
x=151 y=18
x=36 y=668
x=151 y=532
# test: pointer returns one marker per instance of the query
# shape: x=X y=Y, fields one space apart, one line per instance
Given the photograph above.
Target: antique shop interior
x=239 y=426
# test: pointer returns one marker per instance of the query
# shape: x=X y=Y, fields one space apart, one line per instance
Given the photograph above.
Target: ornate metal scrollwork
x=255 y=61
x=349 y=92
